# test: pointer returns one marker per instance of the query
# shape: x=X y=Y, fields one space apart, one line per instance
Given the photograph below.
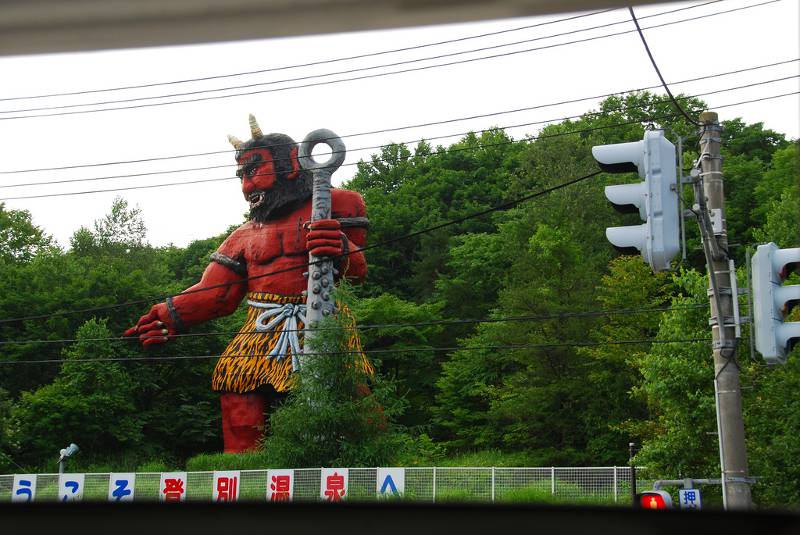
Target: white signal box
x=772 y=301
x=655 y=198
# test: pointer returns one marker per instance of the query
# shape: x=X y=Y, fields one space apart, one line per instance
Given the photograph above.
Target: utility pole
x=730 y=423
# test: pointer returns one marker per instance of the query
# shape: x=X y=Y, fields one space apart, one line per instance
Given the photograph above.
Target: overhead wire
x=382 y=244
x=348 y=71
x=304 y=265
x=374 y=147
x=496 y=347
x=358 y=134
x=325 y=61
x=658 y=71
x=368 y=326
x=363 y=77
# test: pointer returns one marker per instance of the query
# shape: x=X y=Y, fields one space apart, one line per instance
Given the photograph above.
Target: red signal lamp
x=654 y=499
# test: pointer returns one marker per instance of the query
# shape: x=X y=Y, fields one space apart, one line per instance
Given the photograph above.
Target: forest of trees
x=552 y=387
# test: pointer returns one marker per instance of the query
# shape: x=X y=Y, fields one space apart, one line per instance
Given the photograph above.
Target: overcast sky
x=179 y=214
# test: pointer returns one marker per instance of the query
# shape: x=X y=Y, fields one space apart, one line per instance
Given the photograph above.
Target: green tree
x=331 y=417
x=611 y=411
x=678 y=387
x=403 y=325
x=777 y=207
x=89 y=403
x=20 y=239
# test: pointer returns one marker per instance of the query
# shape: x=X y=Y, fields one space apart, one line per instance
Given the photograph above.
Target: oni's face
x=257 y=172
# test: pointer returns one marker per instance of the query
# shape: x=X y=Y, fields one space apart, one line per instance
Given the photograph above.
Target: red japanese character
x=173 y=490
x=334 y=487
x=281 y=491
x=226 y=489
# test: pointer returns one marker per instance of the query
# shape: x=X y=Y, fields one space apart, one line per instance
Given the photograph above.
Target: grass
x=227 y=461
x=487 y=458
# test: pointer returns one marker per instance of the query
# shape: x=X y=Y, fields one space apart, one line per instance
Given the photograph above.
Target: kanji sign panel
x=333 y=484
x=173 y=487
x=391 y=482
x=689 y=499
x=120 y=487
x=280 y=485
x=70 y=487
x=226 y=486
x=24 y=488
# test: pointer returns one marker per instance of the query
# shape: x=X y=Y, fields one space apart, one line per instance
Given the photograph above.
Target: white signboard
x=333 y=484
x=226 y=486
x=391 y=482
x=70 y=487
x=24 y=488
x=173 y=487
x=690 y=499
x=280 y=485
x=120 y=487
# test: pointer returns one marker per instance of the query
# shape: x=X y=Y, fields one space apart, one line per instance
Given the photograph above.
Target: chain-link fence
x=599 y=485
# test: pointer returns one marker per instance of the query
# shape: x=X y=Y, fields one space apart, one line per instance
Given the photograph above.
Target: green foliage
x=89 y=403
x=778 y=199
x=208 y=462
x=679 y=390
x=493 y=457
x=404 y=325
x=20 y=239
x=333 y=416
x=772 y=423
x=566 y=496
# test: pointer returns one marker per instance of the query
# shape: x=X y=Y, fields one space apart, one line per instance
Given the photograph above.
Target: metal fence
x=433 y=484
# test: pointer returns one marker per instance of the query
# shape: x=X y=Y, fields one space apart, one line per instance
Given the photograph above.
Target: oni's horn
x=236 y=142
x=255 y=130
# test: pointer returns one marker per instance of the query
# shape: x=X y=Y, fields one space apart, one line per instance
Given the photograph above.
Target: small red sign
x=654 y=499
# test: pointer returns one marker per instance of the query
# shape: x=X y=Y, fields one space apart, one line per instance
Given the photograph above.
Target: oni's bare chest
x=263 y=243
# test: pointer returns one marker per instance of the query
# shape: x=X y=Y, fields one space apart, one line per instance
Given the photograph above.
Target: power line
x=305 y=265
x=658 y=71
x=430 y=229
x=498 y=347
x=365 y=327
x=406 y=127
x=381 y=131
x=226 y=178
x=363 y=77
x=322 y=62
x=314 y=76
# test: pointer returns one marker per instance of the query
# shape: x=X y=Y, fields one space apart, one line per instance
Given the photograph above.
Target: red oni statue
x=255 y=367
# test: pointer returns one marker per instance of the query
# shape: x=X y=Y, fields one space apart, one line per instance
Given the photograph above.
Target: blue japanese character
x=70 y=485
x=25 y=491
x=122 y=489
x=689 y=497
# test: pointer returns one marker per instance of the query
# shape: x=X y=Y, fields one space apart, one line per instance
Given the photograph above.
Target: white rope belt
x=272 y=316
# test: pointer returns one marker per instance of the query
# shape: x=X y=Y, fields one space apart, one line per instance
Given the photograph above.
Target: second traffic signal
x=773 y=300
x=655 y=198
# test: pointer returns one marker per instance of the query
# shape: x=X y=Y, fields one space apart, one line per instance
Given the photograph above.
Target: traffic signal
x=654 y=499
x=656 y=198
x=772 y=301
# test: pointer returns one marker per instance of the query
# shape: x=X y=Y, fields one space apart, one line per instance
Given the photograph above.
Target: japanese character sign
x=70 y=487
x=391 y=482
x=689 y=498
x=120 y=487
x=333 y=484
x=173 y=487
x=280 y=485
x=226 y=486
x=24 y=488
